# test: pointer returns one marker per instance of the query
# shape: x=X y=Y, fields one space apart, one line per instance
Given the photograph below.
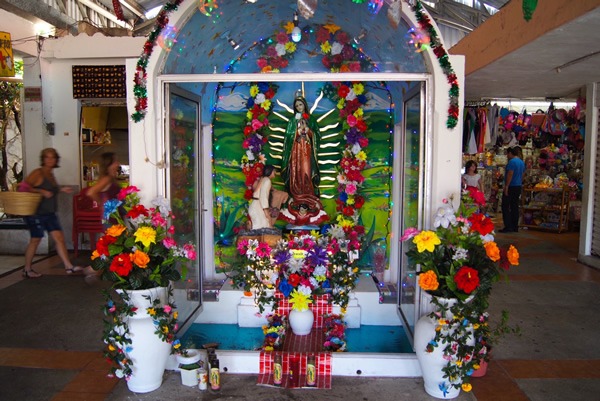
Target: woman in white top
x=471 y=178
x=259 y=210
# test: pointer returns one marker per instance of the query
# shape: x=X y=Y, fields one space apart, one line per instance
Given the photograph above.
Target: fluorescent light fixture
x=153 y=12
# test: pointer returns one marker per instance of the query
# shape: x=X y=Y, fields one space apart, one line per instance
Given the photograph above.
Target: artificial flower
x=145 y=235
x=428 y=281
x=426 y=241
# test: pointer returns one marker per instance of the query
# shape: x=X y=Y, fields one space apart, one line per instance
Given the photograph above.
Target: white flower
x=444 y=217
x=356 y=148
x=460 y=254
x=487 y=238
x=336 y=48
x=320 y=270
x=249 y=154
x=303 y=289
x=280 y=49
x=294 y=265
x=163 y=205
x=259 y=98
x=313 y=282
x=351 y=95
x=337 y=232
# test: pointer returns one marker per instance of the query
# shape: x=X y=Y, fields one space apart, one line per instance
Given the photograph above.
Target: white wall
x=58 y=105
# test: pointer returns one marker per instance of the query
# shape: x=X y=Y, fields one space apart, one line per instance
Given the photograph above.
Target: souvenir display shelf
x=545 y=209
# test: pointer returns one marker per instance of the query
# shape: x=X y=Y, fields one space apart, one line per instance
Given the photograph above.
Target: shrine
x=367 y=154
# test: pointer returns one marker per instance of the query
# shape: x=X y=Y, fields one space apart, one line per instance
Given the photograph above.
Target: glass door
x=184 y=181
x=411 y=149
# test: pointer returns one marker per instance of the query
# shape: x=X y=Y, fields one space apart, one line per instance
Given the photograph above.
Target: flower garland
x=140 y=79
x=274 y=331
x=255 y=132
x=277 y=53
x=335 y=333
x=116 y=329
x=339 y=53
x=442 y=56
x=118 y=10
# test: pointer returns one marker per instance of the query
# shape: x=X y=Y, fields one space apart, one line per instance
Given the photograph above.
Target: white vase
x=301 y=322
x=149 y=354
x=432 y=363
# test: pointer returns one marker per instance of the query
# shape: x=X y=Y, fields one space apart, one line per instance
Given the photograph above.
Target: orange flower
x=140 y=259
x=492 y=251
x=115 y=230
x=428 y=281
x=513 y=256
x=95 y=254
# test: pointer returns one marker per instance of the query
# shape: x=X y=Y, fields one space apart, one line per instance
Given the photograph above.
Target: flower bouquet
x=301 y=267
x=459 y=261
x=138 y=252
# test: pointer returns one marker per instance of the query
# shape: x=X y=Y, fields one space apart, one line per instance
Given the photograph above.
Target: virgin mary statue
x=299 y=165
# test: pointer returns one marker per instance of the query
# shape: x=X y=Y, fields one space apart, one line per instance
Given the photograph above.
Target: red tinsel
x=118 y=10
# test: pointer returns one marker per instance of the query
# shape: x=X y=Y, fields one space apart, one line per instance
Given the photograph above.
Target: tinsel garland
x=443 y=59
x=118 y=10
x=140 y=80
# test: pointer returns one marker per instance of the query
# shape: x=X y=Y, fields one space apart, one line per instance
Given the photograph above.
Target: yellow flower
x=361 y=155
x=325 y=47
x=145 y=235
x=299 y=301
x=358 y=88
x=254 y=90
x=290 y=47
x=115 y=230
x=95 y=255
x=289 y=26
x=268 y=348
x=492 y=251
x=175 y=314
x=350 y=200
x=140 y=259
x=332 y=28
x=513 y=256
x=111 y=347
x=177 y=346
x=467 y=387
x=428 y=281
x=426 y=241
x=266 y=105
x=165 y=329
x=340 y=103
x=151 y=311
x=358 y=113
x=249 y=115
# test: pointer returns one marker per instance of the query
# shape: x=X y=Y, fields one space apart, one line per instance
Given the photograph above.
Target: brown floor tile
x=47 y=359
x=552 y=369
x=90 y=381
x=70 y=396
x=497 y=385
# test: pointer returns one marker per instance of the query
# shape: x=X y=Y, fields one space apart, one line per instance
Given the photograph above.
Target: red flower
x=325 y=61
x=270 y=93
x=467 y=279
x=247 y=130
x=363 y=142
x=359 y=201
x=322 y=35
x=248 y=194
x=343 y=91
x=483 y=225
x=361 y=125
x=136 y=211
x=348 y=211
x=477 y=196
x=305 y=116
x=294 y=280
x=121 y=265
x=103 y=243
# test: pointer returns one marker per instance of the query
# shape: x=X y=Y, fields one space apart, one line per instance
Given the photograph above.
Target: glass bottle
x=311 y=371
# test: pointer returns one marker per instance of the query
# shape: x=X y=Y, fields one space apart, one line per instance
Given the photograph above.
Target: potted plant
x=458 y=262
x=139 y=254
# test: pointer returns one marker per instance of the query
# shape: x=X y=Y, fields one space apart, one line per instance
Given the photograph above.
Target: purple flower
x=352 y=136
x=281 y=257
x=317 y=256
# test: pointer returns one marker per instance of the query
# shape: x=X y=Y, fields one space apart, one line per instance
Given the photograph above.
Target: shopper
x=471 y=178
x=513 y=181
x=42 y=181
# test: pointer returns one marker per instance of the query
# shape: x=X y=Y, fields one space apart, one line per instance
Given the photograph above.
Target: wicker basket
x=19 y=203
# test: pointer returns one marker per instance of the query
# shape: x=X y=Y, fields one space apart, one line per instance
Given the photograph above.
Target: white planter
x=432 y=362
x=148 y=353
x=301 y=322
x=189 y=377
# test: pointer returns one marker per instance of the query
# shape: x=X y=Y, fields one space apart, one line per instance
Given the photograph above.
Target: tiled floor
x=550 y=295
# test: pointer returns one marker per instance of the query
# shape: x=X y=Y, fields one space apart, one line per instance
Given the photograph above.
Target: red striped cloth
x=320 y=307
x=294 y=369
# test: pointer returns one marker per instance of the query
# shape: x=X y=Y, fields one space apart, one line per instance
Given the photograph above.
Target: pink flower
x=126 y=191
x=171 y=230
x=158 y=220
x=351 y=120
x=263 y=250
x=262 y=63
x=242 y=246
x=167 y=308
x=256 y=124
x=190 y=251
x=409 y=233
x=169 y=243
x=351 y=189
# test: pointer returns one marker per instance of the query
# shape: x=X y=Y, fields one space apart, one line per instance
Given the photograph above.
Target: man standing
x=512 y=190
